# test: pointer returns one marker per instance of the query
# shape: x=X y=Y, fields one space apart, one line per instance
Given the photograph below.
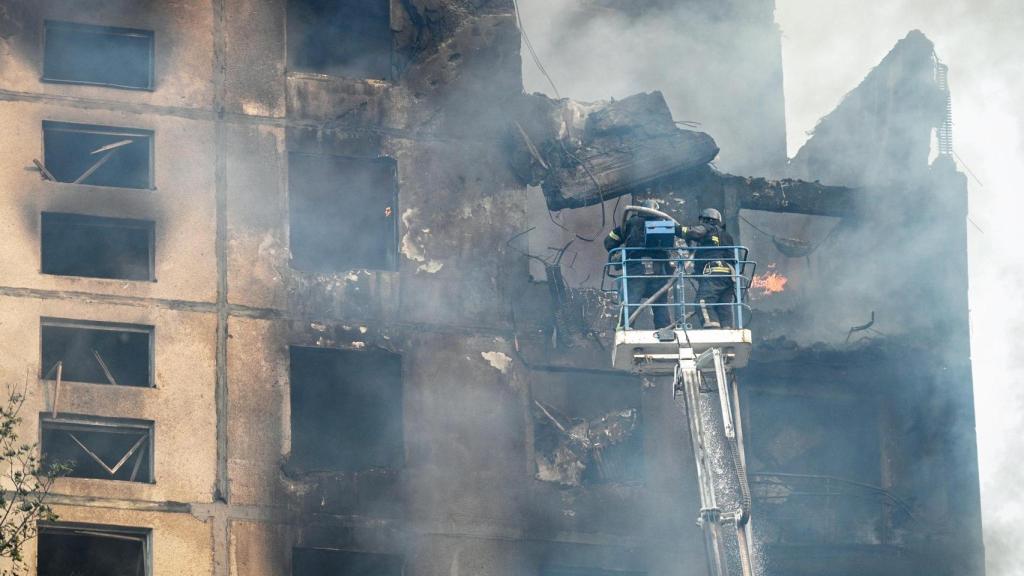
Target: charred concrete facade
x=298 y=388
x=230 y=312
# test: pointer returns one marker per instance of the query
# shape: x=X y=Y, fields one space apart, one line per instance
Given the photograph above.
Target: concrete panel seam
x=232 y=118
x=221 y=491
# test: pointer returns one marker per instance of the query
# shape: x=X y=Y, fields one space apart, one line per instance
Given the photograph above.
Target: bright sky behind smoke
x=828 y=47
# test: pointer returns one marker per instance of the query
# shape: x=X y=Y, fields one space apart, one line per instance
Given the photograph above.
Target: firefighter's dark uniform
x=718 y=268
x=638 y=289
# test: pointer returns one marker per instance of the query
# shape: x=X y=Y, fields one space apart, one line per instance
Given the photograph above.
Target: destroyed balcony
x=587 y=429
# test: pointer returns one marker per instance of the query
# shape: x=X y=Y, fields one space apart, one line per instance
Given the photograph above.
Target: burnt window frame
x=394 y=249
x=143 y=534
x=149 y=330
x=47 y=420
x=99 y=29
x=298 y=463
x=147 y=225
x=102 y=129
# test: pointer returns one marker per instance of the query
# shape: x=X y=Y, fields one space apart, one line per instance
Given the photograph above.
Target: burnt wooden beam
x=706 y=187
x=793 y=196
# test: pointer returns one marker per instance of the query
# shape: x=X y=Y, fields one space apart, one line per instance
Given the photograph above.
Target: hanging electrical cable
x=792 y=247
x=529 y=48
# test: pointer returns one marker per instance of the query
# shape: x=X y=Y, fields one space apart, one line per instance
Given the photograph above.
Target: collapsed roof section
x=881 y=131
x=584 y=153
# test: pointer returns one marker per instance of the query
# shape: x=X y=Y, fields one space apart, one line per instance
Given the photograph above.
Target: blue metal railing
x=678 y=271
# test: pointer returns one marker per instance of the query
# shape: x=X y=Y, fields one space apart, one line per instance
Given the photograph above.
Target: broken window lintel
x=101 y=221
x=134 y=533
x=98 y=29
x=84 y=423
x=95 y=325
x=97 y=129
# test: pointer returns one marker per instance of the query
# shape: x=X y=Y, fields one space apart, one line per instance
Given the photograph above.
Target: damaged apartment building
x=309 y=288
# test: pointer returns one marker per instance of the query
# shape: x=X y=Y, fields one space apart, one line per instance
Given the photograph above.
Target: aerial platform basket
x=659 y=352
x=679 y=272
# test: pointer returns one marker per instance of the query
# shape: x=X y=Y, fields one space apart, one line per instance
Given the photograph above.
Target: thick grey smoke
x=594 y=53
x=979 y=40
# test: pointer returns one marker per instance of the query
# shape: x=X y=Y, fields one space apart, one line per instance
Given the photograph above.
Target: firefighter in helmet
x=648 y=269
x=716 y=269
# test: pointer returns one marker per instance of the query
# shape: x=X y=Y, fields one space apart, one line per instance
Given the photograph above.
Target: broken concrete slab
x=582 y=153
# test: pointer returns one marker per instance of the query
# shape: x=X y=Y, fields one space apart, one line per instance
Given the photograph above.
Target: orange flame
x=770 y=283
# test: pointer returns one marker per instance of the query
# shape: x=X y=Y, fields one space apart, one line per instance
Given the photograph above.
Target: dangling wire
x=793 y=247
x=533 y=53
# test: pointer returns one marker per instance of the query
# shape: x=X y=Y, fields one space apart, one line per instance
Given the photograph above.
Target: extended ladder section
x=707 y=390
x=704 y=388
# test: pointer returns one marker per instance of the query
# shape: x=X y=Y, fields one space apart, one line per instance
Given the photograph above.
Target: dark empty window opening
x=92 y=550
x=100 y=448
x=340 y=37
x=342 y=213
x=96 y=352
x=346 y=409
x=85 y=54
x=95 y=247
x=587 y=428
x=98 y=155
x=327 y=562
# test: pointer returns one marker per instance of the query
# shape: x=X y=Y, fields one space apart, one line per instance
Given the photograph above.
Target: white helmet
x=712 y=215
